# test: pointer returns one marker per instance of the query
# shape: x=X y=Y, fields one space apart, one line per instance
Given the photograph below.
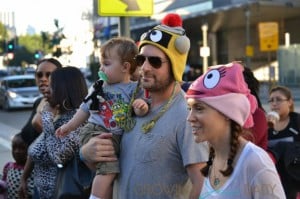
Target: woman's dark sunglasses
x=154 y=61
x=41 y=74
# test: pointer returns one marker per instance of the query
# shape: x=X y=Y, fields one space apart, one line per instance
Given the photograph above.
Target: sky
x=40 y=14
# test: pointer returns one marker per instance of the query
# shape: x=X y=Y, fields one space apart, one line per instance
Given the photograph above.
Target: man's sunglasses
x=154 y=61
x=41 y=74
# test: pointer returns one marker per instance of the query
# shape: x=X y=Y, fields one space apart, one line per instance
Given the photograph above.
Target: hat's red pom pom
x=172 y=20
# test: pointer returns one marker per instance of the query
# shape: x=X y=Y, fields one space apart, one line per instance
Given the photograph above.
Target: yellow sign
x=125 y=7
x=249 y=51
x=268 y=36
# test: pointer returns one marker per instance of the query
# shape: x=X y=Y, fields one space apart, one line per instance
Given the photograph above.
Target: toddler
x=108 y=108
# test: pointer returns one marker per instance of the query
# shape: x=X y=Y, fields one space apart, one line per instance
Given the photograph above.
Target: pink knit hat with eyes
x=223 y=87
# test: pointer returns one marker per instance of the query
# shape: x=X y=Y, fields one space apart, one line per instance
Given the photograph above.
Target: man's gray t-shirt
x=153 y=164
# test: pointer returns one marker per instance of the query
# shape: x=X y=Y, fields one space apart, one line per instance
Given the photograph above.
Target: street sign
x=125 y=7
x=268 y=36
x=249 y=51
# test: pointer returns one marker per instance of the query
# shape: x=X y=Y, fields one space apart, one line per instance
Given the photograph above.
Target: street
x=10 y=124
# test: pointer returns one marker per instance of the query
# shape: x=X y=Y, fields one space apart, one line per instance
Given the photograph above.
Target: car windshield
x=20 y=83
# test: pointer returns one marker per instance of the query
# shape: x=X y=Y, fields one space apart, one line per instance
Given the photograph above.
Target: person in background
x=283 y=132
x=259 y=130
x=119 y=96
x=158 y=157
x=44 y=68
x=220 y=106
x=31 y=131
x=67 y=89
x=12 y=171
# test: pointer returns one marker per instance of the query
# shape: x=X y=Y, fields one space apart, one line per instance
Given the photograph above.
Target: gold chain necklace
x=129 y=123
x=147 y=126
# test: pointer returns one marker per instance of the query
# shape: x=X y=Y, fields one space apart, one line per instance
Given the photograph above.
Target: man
x=158 y=158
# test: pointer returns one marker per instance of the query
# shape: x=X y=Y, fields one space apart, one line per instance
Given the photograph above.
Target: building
x=232 y=27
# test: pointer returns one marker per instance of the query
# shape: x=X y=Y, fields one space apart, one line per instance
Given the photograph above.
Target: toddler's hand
x=61 y=131
x=140 y=107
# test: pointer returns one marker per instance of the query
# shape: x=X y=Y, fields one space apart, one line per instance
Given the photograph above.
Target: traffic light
x=11 y=46
x=37 y=55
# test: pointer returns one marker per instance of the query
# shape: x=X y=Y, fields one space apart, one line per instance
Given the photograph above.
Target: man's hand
x=99 y=149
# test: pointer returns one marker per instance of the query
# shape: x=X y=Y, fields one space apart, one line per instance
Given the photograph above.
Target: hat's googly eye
x=143 y=36
x=156 y=35
x=212 y=78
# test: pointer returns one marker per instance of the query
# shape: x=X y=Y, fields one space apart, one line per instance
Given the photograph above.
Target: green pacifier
x=102 y=76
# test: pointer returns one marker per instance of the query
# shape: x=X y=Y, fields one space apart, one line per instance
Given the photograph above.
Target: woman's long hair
x=68 y=88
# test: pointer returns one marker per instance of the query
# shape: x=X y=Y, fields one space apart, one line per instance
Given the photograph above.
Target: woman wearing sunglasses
x=33 y=127
x=284 y=131
x=44 y=68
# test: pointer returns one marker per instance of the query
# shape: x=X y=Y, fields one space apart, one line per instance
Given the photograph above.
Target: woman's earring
x=65 y=107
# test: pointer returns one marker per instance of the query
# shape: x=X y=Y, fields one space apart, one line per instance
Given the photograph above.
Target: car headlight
x=12 y=94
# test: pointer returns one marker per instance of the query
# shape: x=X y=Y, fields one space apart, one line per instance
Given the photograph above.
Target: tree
x=46 y=41
x=31 y=42
x=25 y=49
x=56 y=39
x=26 y=46
x=3 y=38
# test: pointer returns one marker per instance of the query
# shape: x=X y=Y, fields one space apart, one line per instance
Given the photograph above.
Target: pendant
x=275 y=132
x=216 y=181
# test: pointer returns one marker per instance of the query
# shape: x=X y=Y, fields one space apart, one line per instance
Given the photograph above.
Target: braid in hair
x=205 y=169
x=234 y=145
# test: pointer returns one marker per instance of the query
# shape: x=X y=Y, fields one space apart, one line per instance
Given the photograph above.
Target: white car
x=18 y=91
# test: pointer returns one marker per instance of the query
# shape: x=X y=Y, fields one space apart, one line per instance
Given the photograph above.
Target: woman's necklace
x=147 y=126
x=216 y=179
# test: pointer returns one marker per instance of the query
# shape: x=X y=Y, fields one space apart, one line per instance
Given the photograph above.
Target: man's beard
x=158 y=85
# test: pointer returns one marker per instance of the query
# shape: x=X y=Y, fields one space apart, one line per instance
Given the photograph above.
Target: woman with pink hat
x=221 y=108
